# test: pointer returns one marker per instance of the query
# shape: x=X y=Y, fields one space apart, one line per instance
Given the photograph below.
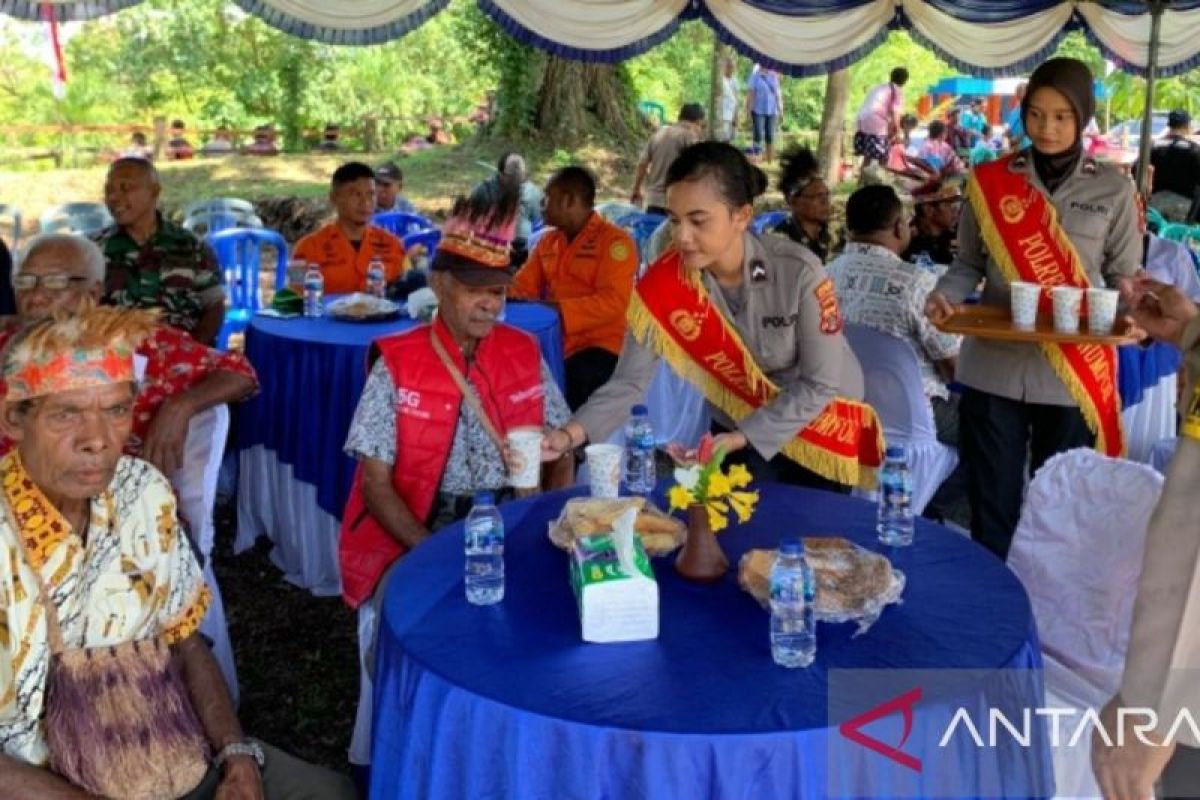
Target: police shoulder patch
x=618 y=251
x=831 y=314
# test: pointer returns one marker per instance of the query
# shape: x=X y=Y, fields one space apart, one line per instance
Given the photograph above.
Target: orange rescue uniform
x=590 y=278
x=344 y=268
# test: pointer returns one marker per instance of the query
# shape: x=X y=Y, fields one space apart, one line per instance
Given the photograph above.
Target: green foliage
x=678 y=71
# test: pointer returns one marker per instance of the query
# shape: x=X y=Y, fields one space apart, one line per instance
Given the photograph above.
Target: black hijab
x=1073 y=80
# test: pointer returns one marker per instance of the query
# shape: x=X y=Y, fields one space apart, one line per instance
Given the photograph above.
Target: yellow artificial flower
x=743 y=504
x=716 y=520
x=739 y=476
x=680 y=498
x=718 y=485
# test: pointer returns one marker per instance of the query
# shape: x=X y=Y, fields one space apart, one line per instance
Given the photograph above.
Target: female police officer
x=1046 y=215
x=752 y=322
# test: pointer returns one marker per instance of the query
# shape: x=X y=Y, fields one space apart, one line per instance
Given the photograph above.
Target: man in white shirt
x=727 y=123
x=879 y=290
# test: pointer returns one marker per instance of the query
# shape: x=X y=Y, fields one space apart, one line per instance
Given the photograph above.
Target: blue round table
x=294 y=477
x=507 y=701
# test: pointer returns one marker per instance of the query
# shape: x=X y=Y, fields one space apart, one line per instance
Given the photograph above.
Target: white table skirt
x=272 y=503
x=1151 y=420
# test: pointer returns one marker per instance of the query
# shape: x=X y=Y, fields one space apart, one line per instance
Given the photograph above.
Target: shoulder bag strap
x=468 y=392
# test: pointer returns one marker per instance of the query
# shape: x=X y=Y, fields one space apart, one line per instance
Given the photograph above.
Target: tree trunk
x=716 y=90
x=577 y=98
x=833 y=121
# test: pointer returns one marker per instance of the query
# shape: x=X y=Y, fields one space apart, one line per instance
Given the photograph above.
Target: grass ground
x=432 y=177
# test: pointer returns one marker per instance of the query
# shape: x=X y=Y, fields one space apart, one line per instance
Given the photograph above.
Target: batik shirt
x=175 y=362
x=173 y=270
x=474 y=463
x=134 y=578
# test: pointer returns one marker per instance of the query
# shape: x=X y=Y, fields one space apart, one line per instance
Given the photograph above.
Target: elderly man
x=95 y=561
x=428 y=431
x=660 y=152
x=153 y=263
x=935 y=222
x=59 y=273
x=585 y=266
x=345 y=248
x=1163 y=660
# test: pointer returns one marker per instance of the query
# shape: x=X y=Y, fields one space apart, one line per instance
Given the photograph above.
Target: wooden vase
x=701 y=560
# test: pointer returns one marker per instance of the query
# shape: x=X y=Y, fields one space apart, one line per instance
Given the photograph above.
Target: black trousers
x=779 y=469
x=997 y=436
x=586 y=371
x=1181 y=778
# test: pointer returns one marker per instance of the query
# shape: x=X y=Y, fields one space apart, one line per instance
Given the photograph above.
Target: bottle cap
x=639 y=410
x=896 y=452
x=791 y=546
x=485 y=499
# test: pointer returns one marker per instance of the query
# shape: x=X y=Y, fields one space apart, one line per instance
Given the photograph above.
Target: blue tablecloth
x=507 y=702
x=312 y=374
x=1141 y=368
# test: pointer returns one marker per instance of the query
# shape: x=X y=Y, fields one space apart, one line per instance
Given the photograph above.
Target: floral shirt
x=474 y=463
x=135 y=577
x=175 y=362
x=173 y=270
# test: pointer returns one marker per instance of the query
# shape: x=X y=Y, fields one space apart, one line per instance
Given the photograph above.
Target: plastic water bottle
x=895 y=521
x=793 y=593
x=639 y=453
x=484 y=575
x=376 y=278
x=924 y=261
x=314 y=292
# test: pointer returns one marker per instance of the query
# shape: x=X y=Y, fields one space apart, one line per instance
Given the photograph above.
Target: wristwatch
x=246 y=748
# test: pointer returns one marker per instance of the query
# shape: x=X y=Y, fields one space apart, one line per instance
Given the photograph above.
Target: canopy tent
x=798 y=37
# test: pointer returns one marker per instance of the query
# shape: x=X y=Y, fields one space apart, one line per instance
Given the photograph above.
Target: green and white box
x=614 y=585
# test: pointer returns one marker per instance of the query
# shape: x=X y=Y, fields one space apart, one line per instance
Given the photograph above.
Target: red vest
x=505 y=373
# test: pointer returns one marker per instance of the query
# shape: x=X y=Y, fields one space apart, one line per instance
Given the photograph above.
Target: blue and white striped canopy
x=799 y=37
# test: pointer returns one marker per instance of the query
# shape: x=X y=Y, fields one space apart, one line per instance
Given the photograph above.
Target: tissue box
x=618 y=598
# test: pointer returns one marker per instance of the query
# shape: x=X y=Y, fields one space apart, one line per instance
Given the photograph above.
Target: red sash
x=672 y=314
x=1021 y=230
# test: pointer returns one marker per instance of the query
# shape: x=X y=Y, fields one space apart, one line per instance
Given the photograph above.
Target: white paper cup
x=1024 y=298
x=525 y=448
x=604 y=468
x=1102 y=310
x=1067 y=301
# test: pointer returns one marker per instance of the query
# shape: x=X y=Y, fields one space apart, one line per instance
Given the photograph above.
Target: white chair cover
x=1080 y=561
x=195 y=486
x=1162 y=453
x=893 y=388
x=1153 y=419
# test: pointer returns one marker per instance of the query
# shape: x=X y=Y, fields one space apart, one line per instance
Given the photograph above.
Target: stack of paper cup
x=1067 y=302
x=1102 y=310
x=1025 y=298
x=604 y=468
x=525 y=449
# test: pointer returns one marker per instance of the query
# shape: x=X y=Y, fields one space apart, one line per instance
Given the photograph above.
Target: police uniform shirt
x=790 y=321
x=1096 y=209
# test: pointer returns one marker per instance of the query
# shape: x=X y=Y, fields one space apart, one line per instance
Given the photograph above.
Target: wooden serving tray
x=993 y=322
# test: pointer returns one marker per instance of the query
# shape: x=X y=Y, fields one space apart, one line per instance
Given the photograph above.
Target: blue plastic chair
x=428 y=239
x=14 y=215
x=400 y=224
x=768 y=220
x=79 y=218
x=203 y=223
x=239 y=252
x=219 y=205
x=641 y=227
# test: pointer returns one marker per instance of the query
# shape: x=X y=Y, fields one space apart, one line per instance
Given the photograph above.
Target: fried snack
x=585 y=516
x=851 y=581
x=660 y=532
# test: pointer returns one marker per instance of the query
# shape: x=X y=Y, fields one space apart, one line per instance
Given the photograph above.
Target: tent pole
x=1143 y=178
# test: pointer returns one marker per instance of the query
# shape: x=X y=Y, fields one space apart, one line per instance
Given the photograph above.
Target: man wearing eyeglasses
x=935 y=222
x=61 y=274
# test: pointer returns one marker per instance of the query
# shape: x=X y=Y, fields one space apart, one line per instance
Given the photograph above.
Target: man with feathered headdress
x=91 y=551
x=423 y=447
